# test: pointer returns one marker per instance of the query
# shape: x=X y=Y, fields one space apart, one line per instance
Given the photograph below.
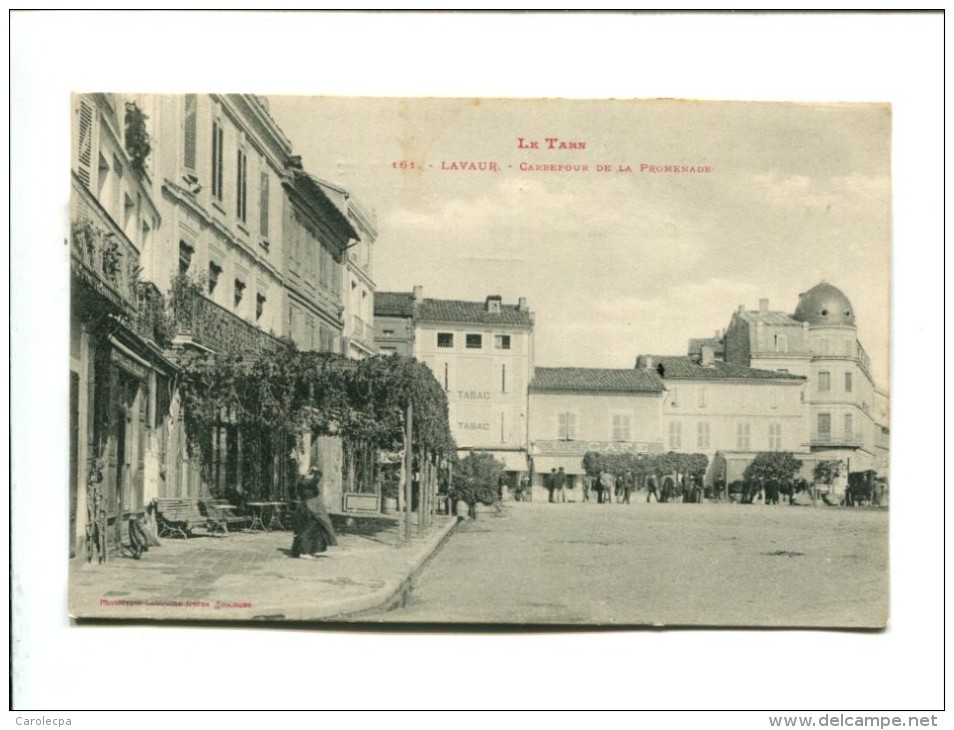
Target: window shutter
x=263 y=206
x=84 y=152
x=188 y=158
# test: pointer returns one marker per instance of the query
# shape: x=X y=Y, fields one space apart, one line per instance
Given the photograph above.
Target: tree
x=476 y=478
x=827 y=471
x=772 y=466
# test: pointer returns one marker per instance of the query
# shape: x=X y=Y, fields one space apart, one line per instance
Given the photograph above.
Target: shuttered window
x=263 y=206
x=241 y=186
x=217 y=144
x=189 y=133
x=84 y=151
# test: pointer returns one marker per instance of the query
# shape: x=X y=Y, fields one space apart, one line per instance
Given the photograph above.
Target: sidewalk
x=250 y=576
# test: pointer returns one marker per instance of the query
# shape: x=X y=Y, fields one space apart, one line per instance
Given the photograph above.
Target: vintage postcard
x=479 y=361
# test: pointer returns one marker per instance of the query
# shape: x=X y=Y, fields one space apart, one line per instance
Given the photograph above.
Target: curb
x=394 y=592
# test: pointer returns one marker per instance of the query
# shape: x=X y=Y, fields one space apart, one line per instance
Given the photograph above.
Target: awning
x=514 y=460
x=570 y=464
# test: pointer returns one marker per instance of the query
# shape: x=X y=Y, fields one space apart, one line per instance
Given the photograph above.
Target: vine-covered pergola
x=381 y=404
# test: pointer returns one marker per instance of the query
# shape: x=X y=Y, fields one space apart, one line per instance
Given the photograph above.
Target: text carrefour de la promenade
x=581 y=163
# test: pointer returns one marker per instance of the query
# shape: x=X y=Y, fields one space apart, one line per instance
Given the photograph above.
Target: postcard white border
x=896 y=58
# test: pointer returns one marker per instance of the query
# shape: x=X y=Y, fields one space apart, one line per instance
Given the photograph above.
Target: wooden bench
x=222 y=514
x=179 y=517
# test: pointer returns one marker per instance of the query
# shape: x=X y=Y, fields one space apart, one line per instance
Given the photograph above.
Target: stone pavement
x=250 y=576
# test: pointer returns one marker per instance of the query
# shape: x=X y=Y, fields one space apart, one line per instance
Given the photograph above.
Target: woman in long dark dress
x=313 y=529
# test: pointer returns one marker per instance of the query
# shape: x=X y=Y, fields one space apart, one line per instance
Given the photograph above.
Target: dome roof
x=824 y=304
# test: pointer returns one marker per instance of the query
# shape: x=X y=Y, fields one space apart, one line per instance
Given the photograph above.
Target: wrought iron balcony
x=102 y=255
x=836 y=440
x=200 y=321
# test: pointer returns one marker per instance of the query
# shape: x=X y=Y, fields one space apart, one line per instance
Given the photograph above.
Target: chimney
x=708 y=355
x=418 y=294
x=648 y=362
x=763 y=306
x=718 y=334
x=493 y=303
x=522 y=304
x=741 y=308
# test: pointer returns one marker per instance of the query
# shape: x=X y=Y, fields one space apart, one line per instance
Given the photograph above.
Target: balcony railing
x=361 y=330
x=207 y=324
x=849 y=440
x=102 y=255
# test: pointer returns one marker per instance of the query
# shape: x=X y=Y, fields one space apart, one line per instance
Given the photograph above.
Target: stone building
x=119 y=377
x=576 y=410
x=727 y=412
x=846 y=414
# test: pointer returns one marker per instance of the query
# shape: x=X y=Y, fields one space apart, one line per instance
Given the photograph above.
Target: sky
x=626 y=261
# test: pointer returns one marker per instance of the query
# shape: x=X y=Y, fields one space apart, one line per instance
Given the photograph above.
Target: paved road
x=662 y=564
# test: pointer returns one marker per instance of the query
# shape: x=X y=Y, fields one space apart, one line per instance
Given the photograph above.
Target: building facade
x=846 y=415
x=394 y=321
x=482 y=354
x=119 y=376
x=357 y=285
x=576 y=410
x=727 y=412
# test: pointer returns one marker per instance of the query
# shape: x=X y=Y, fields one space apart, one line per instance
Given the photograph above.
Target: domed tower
x=841 y=392
x=825 y=305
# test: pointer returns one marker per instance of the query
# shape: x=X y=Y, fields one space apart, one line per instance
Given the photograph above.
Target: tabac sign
x=603 y=447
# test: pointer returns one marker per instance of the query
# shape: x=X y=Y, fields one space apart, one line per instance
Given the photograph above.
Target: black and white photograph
x=449 y=360
x=479 y=361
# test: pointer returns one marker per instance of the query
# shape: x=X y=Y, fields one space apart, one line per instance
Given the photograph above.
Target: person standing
x=586 y=483
x=551 y=483
x=627 y=486
x=561 y=485
x=607 y=487
x=313 y=531
x=651 y=488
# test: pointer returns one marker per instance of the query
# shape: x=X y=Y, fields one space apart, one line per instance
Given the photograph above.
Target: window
x=824 y=426
x=385 y=350
x=217 y=150
x=702 y=435
x=390 y=333
x=848 y=382
x=703 y=396
x=743 y=436
x=675 y=435
x=84 y=150
x=263 y=206
x=775 y=437
x=621 y=427
x=259 y=306
x=849 y=427
x=444 y=339
x=474 y=342
x=214 y=271
x=502 y=342
x=185 y=256
x=824 y=381
x=241 y=185
x=239 y=292
x=781 y=343
x=566 y=426
x=773 y=397
x=189 y=133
